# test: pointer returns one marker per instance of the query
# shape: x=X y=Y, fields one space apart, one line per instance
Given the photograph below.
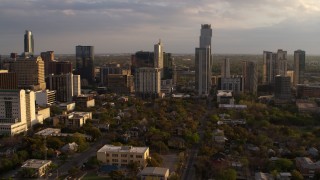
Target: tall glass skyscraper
x=203 y=61
x=84 y=63
x=299 y=66
x=28 y=43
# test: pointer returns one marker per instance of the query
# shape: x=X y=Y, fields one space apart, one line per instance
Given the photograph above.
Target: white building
x=45 y=97
x=40 y=166
x=158 y=55
x=73 y=119
x=13 y=112
x=76 y=85
x=148 y=82
x=123 y=155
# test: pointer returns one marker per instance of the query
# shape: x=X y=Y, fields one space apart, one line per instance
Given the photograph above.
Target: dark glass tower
x=28 y=43
x=84 y=63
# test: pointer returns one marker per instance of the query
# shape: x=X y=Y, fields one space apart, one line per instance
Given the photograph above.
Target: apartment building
x=40 y=166
x=73 y=119
x=123 y=155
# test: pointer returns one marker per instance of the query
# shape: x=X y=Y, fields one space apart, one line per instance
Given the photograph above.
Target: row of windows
x=124 y=155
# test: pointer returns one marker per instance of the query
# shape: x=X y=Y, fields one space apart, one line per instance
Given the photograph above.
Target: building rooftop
x=48 y=131
x=35 y=163
x=224 y=93
x=154 y=171
x=124 y=149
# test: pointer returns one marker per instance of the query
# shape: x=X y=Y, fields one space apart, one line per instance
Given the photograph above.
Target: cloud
x=125 y=25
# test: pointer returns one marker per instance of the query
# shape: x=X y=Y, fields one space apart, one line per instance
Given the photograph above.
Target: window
x=138 y=156
x=123 y=155
x=114 y=160
x=114 y=155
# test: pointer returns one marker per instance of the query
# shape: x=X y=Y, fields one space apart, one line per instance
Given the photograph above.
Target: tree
x=116 y=175
x=54 y=143
x=296 y=175
x=228 y=174
x=27 y=173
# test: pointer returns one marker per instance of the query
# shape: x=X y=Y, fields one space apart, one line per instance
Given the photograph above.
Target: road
x=78 y=159
x=189 y=172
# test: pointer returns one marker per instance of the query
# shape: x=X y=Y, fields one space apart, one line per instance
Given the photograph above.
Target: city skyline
x=241 y=27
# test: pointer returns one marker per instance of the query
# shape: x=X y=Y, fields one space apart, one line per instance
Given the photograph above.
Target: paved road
x=78 y=159
x=189 y=172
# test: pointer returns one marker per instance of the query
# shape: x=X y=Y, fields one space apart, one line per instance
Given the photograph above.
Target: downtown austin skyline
x=123 y=26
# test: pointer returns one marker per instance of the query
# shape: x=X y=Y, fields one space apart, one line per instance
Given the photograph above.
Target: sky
x=127 y=26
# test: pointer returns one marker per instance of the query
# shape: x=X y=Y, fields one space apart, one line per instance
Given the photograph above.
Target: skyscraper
x=203 y=62
x=250 y=76
x=147 y=82
x=28 y=43
x=47 y=57
x=158 y=55
x=282 y=88
x=281 y=63
x=84 y=62
x=225 y=68
x=30 y=73
x=299 y=66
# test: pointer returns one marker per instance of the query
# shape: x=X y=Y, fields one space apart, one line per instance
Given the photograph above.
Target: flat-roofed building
x=308 y=91
x=307 y=167
x=154 y=173
x=73 y=119
x=45 y=97
x=30 y=73
x=119 y=83
x=123 y=155
x=40 y=166
x=85 y=100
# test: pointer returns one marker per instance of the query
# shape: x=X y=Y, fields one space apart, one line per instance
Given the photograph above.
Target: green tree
x=296 y=175
x=116 y=175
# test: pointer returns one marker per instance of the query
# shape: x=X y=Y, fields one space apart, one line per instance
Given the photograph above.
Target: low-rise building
x=225 y=97
x=85 y=100
x=73 y=119
x=307 y=167
x=154 y=173
x=68 y=106
x=40 y=166
x=123 y=155
x=12 y=128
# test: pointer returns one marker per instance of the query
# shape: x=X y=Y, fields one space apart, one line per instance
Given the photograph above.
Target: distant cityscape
x=126 y=117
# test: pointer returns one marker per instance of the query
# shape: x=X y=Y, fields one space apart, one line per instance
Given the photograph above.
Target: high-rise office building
x=158 y=55
x=250 y=76
x=147 y=82
x=203 y=61
x=59 y=67
x=299 y=67
x=64 y=86
x=8 y=80
x=84 y=63
x=168 y=65
x=76 y=85
x=282 y=88
x=47 y=57
x=268 y=67
x=281 y=63
x=13 y=112
x=30 y=73
x=28 y=43
x=225 y=68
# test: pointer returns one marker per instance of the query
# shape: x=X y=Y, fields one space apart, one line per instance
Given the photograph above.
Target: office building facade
x=148 y=82
x=250 y=77
x=47 y=57
x=274 y=64
x=64 y=86
x=203 y=61
x=84 y=63
x=30 y=73
x=282 y=90
x=28 y=43
x=8 y=80
x=299 y=67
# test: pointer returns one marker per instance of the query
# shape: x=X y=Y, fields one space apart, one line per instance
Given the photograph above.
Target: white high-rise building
x=30 y=108
x=76 y=85
x=158 y=55
x=203 y=61
x=13 y=112
x=148 y=82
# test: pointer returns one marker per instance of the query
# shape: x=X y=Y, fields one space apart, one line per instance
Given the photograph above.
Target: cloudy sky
x=126 y=26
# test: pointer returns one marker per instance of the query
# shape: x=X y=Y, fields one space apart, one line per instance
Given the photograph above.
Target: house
x=307 y=167
x=313 y=152
x=40 y=166
x=154 y=173
x=70 y=148
x=123 y=155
